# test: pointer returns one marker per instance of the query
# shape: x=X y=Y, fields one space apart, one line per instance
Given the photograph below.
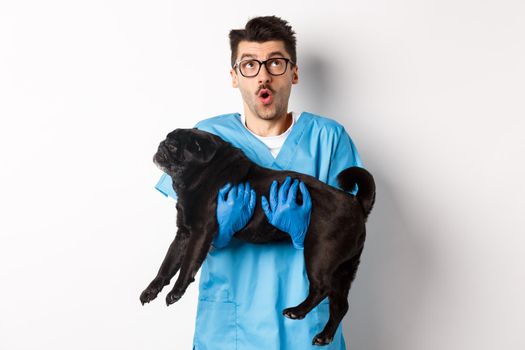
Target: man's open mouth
x=266 y=96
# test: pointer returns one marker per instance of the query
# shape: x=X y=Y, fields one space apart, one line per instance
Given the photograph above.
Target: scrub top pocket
x=216 y=326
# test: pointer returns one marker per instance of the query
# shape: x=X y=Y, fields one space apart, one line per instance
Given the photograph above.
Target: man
x=244 y=287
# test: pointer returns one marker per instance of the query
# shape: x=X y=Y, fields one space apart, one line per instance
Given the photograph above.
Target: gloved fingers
x=266 y=208
x=240 y=192
x=273 y=195
x=232 y=195
x=292 y=193
x=253 y=197
x=283 y=191
x=247 y=190
x=307 y=200
x=224 y=190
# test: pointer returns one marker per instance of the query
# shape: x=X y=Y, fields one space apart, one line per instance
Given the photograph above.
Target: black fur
x=200 y=163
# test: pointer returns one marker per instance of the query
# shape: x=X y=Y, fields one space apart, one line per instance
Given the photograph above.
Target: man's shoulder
x=323 y=123
x=217 y=121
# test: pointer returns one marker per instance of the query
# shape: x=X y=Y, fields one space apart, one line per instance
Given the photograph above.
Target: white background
x=432 y=93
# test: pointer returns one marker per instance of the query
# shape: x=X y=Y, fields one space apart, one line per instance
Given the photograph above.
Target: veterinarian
x=244 y=287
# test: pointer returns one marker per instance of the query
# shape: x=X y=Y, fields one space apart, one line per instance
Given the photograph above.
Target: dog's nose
x=163 y=147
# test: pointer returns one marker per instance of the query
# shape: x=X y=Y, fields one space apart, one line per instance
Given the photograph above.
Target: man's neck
x=264 y=128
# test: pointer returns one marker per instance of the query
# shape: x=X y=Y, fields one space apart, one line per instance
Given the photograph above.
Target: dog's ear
x=202 y=149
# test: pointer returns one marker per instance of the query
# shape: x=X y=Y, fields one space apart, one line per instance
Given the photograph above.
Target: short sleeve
x=165 y=186
x=344 y=156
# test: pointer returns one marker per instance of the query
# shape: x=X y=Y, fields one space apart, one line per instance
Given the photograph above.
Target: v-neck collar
x=285 y=156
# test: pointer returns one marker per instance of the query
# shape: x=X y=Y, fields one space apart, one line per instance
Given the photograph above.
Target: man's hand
x=235 y=206
x=284 y=213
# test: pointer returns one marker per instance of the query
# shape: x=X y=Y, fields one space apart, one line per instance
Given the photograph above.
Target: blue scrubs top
x=244 y=287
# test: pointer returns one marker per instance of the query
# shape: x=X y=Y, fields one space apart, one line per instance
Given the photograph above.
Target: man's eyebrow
x=250 y=55
x=244 y=55
x=276 y=53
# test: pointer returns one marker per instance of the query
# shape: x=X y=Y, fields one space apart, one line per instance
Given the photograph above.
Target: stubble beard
x=273 y=112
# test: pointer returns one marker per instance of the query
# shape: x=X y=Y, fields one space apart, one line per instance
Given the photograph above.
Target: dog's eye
x=172 y=148
x=197 y=146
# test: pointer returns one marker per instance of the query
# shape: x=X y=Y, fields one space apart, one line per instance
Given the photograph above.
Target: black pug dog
x=200 y=163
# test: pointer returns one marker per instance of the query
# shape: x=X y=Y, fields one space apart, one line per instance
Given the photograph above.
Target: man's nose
x=264 y=76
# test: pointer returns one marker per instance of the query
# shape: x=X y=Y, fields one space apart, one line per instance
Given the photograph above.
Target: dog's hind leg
x=198 y=246
x=319 y=278
x=341 y=282
x=169 y=267
x=320 y=265
x=315 y=296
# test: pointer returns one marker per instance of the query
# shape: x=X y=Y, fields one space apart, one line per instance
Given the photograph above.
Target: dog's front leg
x=199 y=244
x=169 y=267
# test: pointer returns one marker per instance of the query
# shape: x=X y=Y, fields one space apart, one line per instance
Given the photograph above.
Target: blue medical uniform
x=244 y=287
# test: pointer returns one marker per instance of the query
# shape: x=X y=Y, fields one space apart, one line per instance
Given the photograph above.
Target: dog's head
x=186 y=147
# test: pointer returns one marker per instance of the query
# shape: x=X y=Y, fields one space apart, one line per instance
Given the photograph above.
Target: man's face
x=275 y=105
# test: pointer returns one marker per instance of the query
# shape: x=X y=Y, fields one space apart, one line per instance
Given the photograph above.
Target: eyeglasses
x=251 y=67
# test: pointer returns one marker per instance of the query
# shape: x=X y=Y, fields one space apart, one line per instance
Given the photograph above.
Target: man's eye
x=249 y=65
x=275 y=63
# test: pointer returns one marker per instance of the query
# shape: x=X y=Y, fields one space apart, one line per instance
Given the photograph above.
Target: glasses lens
x=249 y=68
x=276 y=66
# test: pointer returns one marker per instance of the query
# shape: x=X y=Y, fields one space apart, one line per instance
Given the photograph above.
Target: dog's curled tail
x=366 y=188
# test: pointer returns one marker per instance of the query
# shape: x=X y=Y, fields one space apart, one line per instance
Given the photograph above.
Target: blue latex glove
x=235 y=206
x=284 y=213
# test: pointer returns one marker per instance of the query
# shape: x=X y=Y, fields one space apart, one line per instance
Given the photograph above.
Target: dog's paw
x=148 y=295
x=172 y=297
x=152 y=291
x=293 y=313
x=322 y=339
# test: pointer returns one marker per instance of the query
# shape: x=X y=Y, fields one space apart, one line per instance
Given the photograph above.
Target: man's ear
x=295 y=75
x=235 y=81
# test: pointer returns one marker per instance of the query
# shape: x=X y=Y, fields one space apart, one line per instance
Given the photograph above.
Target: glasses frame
x=261 y=63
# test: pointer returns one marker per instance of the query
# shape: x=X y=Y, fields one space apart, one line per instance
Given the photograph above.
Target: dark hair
x=261 y=29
